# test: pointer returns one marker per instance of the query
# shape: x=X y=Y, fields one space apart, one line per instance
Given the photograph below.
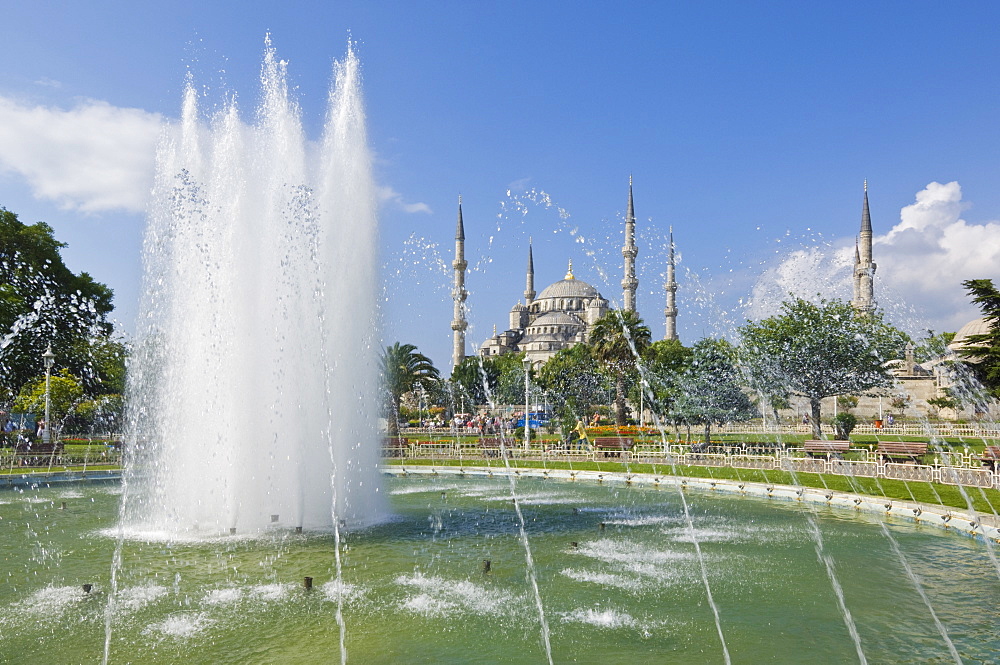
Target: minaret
x=629 y=251
x=864 y=267
x=529 y=290
x=671 y=310
x=458 y=293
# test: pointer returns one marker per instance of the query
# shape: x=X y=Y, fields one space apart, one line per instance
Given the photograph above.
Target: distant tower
x=458 y=293
x=864 y=267
x=629 y=251
x=671 y=310
x=529 y=289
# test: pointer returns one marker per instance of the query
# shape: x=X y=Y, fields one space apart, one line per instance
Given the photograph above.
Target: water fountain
x=255 y=359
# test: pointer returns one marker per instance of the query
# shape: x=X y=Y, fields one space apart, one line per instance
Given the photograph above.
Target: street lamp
x=527 y=423
x=50 y=359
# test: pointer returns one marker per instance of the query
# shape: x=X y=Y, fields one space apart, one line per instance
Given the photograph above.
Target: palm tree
x=403 y=370
x=617 y=341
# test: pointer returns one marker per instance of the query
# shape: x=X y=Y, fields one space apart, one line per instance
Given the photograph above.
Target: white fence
x=948 y=468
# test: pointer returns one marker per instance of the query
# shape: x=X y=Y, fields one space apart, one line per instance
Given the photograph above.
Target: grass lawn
x=983 y=500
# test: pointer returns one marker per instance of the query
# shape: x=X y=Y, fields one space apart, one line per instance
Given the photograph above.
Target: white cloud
x=387 y=194
x=93 y=157
x=921 y=263
x=927 y=255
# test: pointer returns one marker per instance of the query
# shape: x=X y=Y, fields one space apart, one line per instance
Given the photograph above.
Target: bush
x=843 y=425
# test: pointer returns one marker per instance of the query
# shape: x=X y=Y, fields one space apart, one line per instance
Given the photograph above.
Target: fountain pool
x=415 y=590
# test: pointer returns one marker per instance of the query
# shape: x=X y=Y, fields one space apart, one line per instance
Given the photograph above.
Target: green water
x=415 y=591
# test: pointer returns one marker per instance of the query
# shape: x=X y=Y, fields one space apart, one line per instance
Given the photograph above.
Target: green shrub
x=843 y=424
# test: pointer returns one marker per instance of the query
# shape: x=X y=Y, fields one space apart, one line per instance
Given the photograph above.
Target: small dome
x=974 y=327
x=569 y=288
x=556 y=318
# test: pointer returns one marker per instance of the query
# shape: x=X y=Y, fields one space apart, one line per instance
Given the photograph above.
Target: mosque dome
x=569 y=288
x=974 y=327
x=554 y=319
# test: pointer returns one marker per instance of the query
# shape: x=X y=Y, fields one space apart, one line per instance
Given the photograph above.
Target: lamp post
x=49 y=359
x=527 y=423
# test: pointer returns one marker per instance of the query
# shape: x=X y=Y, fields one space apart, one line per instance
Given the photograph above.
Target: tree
x=820 y=349
x=983 y=350
x=65 y=395
x=471 y=381
x=664 y=362
x=617 y=341
x=496 y=380
x=42 y=302
x=571 y=378
x=403 y=369
x=709 y=388
x=933 y=346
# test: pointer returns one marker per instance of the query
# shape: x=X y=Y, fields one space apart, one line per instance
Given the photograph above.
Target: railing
x=28 y=461
x=950 y=468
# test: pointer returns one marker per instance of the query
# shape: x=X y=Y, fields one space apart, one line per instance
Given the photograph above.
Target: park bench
x=827 y=448
x=613 y=446
x=991 y=455
x=490 y=446
x=910 y=450
x=393 y=446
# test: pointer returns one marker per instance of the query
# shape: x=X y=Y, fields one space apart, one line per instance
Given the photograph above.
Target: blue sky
x=748 y=127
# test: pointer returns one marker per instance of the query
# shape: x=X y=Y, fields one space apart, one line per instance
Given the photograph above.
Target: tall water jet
x=254 y=380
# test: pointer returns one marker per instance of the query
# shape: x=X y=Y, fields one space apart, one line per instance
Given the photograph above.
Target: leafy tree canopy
x=573 y=382
x=65 y=395
x=618 y=341
x=665 y=362
x=43 y=302
x=404 y=369
x=710 y=388
x=499 y=379
x=818 y=350
x=932 y=346
x=984 y=350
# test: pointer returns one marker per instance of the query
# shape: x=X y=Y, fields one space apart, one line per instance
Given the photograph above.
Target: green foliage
x=574 y=383
x=65 y=395
x=42 y=302
x=665 y=362
x=471 y=381
x=818 y=350
x=404 y=369
x=710 y=390
x=847 y=402
x=983 y=351
x=498 y=379
x=510 y=378
x=617 y=341
x=934 y=345
x=944 y=403
x=843 y=424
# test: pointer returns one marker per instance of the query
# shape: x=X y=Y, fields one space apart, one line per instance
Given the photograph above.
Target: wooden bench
x=913 y=451
x=827 y=448
x=393 y=446
x=991 y=455
x=490 y=447
x=613 y=446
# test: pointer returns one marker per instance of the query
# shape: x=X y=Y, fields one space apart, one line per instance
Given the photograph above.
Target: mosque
x=562 y=314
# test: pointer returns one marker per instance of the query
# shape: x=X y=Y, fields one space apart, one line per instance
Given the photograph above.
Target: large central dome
x=569 y=288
